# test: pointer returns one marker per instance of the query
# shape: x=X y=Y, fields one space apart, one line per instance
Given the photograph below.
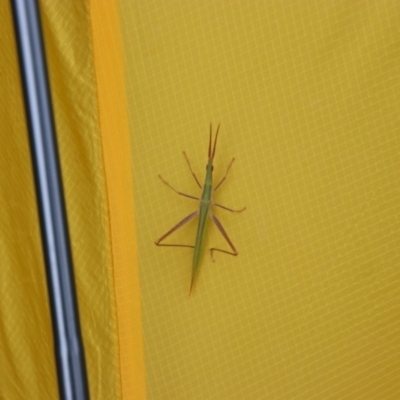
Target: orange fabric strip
x=109 y=69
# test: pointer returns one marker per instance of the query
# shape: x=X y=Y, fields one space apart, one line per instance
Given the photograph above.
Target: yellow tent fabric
x=308 y=97
x=307 y=94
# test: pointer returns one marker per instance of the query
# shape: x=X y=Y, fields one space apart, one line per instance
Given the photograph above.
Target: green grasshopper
x=204 y=212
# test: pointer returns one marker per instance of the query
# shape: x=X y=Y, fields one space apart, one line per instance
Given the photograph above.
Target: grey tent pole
x=69 y=353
